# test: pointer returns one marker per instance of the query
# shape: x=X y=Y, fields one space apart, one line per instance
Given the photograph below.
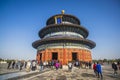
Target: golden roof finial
x=63 y=11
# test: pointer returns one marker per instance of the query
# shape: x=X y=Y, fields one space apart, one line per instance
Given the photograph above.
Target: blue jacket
x=98 y=67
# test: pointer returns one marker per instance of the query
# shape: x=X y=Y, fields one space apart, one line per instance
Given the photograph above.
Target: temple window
x=58 y=19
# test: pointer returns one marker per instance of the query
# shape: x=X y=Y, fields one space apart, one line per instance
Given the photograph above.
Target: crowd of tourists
x=32 y=65
x=97 y=67
x=16 y=65
x=52 y=64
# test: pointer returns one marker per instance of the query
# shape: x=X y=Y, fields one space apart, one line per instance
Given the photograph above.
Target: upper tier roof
x=65 y=17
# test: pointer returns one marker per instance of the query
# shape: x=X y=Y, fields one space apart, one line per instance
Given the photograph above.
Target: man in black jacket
x=114 y=66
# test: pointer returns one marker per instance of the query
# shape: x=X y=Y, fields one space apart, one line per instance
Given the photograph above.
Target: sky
x=20 y=21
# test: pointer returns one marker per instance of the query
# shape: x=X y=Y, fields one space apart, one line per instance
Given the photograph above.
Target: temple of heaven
x=64 y=39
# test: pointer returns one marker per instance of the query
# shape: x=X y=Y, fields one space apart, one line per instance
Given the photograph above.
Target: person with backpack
x=114 y=66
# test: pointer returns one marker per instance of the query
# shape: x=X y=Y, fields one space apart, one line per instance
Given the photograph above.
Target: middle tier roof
x=63 y=27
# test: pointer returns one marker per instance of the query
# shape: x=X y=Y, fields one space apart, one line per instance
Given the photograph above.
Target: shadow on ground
x=62 y=77
x=87 y=75
x=116 y=77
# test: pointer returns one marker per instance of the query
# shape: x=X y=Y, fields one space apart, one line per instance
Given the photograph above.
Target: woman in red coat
x=94 y=68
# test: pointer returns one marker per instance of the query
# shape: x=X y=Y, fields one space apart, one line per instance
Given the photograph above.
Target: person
x=13 y=64
x=86 y=65
x=70 y=66
x=16 y=64
x=28 y=66
x=21 y=65
x=114 y=66
x=60 y=64
x=49 y=64
x=57 y=65
x=25 y=64
x=99 y=70
x=9 y=63
x=77 y=63
x=52 y=64
x=89 y=65
x=94 y=68
x=41 y=65
x=118 y=65
x=33 y=65
x=44 y=64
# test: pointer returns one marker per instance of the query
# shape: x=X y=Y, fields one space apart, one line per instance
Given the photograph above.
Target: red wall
x=65 y=55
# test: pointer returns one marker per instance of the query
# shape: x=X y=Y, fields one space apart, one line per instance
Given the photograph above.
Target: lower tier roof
x=87 y=42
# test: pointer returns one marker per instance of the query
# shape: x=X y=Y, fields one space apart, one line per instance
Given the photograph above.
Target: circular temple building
x=63 y=39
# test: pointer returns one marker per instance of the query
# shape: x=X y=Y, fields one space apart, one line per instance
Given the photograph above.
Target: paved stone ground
x=76 y=74
x=4 y=70
x=64 y=74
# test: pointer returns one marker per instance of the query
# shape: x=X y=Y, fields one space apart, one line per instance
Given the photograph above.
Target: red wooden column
x=90 y=57
x=64 y=56
x=78 y=54
x=38 y=56
x=82 y=55
x=44 y=55
x=50 y=57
